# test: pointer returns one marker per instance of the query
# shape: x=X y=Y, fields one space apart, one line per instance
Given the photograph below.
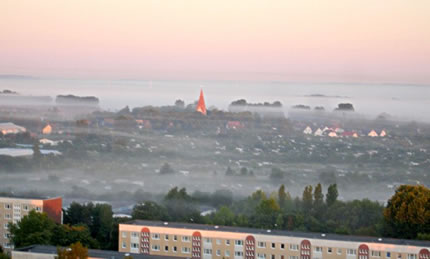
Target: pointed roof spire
x=201 y=106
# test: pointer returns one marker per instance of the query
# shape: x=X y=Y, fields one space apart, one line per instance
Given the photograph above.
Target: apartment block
x=206 y=242
x=13 y=209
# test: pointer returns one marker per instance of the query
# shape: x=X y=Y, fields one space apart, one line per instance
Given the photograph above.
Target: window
x=7 y=206
x=238 y=253
x=185 y=239
x=329 y=250
x=294 y=257
x=25 y=207
x=412 y=256
x=339 y=251
x=156 y=236
x=186 y=250
x=38 y=209
x=376 y=253
x=134 y=245
x=238 y=242
x=175 y=249
x=261 y=256
x=399 y=256
x=273 y=245
x=351 y=251
x=175 y=238
x=7 y=216
x=218 y=252
x=208 y=240
x=282 y=246
x=124 y=245
x=218 y=241
x=207 y=251
x=166 y=248
x=6 y=235
x=294 y=247
x=261 y=244
x=134 y=234
x=388 y=254
x=227 y=253
x=318 y=249
x=6 y=225
x=227 y=242
x=166 y=237
x=155 y=248
x=7 y=245
x=273 y=256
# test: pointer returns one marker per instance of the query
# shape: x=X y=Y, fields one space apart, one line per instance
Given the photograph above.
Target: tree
x=266 y=213
x=3 y=255
x=166 y=169
x=79 y=214
x=408 y=212
x=149 y=210
x=224 y=216
x=102 y=224
x=229 y=172
x=332 y=194
x=74 y=251
x=307 y=199
x=283 y=197
x=34 y=228
x=276 y=174
x=64 y=235
x=318 y=201
x=180 y=104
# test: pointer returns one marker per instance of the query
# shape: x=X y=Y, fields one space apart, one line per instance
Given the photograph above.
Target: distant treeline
x=73 y=99
x=406 y=215
x=243 y=102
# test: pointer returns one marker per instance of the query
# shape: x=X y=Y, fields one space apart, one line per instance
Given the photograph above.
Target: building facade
x=206 y=242
x=13 y=209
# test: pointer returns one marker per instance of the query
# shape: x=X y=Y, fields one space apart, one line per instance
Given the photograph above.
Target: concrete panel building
x=13 y=209
x=207 y=242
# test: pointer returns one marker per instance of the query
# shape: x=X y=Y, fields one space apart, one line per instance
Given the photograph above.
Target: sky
x=291 y=40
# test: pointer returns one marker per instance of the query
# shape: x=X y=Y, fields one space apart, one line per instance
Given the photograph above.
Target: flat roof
x=43 y=249
x=273 y=232
x=24 y=197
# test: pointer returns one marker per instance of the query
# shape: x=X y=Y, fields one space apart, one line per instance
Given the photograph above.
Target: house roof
x=43 y=249
x=308 y=235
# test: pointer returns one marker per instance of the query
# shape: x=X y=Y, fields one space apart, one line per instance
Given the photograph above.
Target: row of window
x=184 y=250
x=187 y=250
x=156 y=236
x=25 y=207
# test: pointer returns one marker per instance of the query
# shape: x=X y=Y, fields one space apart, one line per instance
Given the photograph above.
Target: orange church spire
x=201 y=107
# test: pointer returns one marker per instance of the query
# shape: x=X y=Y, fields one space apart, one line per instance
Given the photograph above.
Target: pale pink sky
x=320 y=40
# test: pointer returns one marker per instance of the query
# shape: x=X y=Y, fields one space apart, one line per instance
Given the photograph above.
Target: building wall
x=29 y=255
x=53 y=207
x=13 y=209
x=231 y=245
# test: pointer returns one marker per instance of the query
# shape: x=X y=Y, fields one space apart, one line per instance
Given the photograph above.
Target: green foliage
x=149 y=210
x=97 y=218
x=332 y=194
x=224 y=216
x=37 y=228
x=76 y=250
x=34 y=228
x=408 y=212
x=3 y=255
x=307 y=199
